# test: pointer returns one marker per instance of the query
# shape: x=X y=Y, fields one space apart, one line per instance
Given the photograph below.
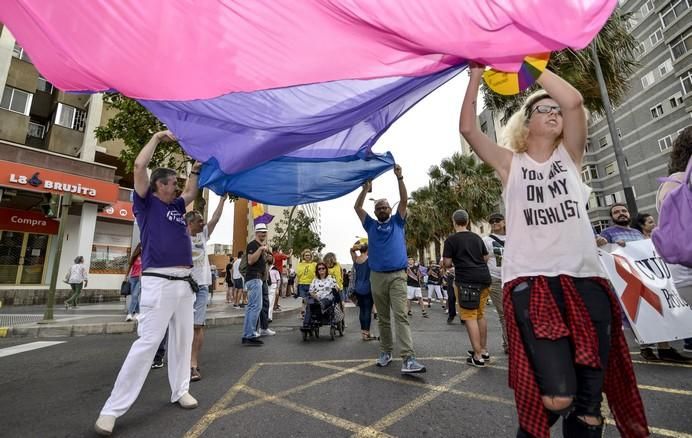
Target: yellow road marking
x=665 y=364
x=315 y=413
x=250 y=404
x=213 y=413
x=657 y=430
x=408 y=408
x=668 y=390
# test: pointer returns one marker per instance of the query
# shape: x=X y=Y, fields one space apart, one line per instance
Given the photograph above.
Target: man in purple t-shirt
x=166 y=286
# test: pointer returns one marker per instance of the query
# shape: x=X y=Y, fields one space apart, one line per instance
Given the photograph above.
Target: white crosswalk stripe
x=9 y=351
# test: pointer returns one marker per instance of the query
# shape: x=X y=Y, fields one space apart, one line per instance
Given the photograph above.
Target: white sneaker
x=129 y=317
x=267 y=332
x=187 y=401
x=104 y=425
x=257 y=334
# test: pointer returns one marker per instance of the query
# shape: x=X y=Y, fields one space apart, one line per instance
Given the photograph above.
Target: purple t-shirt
x=165 y=240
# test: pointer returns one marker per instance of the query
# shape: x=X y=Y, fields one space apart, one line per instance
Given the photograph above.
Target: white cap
x=261 y=228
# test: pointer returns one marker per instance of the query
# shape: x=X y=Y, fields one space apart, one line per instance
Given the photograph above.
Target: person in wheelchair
x=323 y=291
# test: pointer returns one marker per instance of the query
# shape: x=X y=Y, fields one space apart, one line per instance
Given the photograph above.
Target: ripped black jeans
x=553 y=361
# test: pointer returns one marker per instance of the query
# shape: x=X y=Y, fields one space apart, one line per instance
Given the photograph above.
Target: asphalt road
x=289 y=388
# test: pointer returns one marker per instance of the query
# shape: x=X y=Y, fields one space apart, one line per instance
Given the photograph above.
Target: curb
x=62 y=331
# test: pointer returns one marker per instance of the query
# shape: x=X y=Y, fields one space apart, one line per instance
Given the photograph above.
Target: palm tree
x=615 y=46
x=464 y=182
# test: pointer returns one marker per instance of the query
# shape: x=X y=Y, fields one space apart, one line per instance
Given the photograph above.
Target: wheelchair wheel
x=332 y=332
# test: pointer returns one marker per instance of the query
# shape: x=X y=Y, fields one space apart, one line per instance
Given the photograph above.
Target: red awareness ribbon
x=635 y=289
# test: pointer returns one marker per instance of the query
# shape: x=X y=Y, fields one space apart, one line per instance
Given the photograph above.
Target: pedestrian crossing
x=23 y=348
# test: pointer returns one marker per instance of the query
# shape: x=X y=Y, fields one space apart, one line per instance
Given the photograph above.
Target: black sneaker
x=252 y=342
x=672 y=355
x=484 y=356
x=450 y=321
x=475 y=362
x=425 y=314
x=410 y=313
x=158 y=363
x=648 y=354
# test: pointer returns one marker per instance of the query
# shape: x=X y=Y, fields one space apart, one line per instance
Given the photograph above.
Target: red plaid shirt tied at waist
x=620 y=384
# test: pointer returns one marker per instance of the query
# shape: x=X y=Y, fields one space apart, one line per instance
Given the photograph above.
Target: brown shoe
x=195 y=375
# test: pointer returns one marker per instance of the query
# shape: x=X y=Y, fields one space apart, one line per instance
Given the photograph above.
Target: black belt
x=191 y=281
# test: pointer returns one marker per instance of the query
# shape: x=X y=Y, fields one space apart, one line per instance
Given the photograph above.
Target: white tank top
x=548 y=229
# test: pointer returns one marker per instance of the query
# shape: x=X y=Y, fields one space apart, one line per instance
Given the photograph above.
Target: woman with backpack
x=680 y=160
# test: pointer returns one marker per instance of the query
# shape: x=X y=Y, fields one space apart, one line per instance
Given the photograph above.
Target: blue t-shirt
x=386 y=244
x=615 y=233
x=362 y=278
x=165 y=240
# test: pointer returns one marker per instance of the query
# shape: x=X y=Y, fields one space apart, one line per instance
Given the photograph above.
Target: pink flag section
x=185 y=49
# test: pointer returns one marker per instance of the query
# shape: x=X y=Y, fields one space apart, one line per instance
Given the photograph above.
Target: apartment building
x=47 y=148
x=657 y=108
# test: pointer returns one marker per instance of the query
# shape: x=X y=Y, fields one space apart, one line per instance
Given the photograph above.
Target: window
x=648 y=79
x=595 y=200
x=646 y=8
x=665 y=143
x=589 y=146
x=630 y=24
x=16 y=100
x=665 y=67
x=656 y=111
x=680 y=45
x=43 y=85
x=109 y=259
x=686 y=82
x=613 y=198
x=36 y=130
x=599 y=226
x=70 y=117
x=639 y=50
x=671 y=12
x=675 y=100
x=589 y=172
x=619 y=132
x=19 y=53
x=656 y=36
x=611 y=168
x=603 y=142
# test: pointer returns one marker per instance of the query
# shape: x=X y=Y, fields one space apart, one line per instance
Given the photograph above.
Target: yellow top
x=336 y=272
x=305 y=272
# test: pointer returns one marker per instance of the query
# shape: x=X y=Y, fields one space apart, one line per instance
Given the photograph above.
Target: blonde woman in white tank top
x=551 y=256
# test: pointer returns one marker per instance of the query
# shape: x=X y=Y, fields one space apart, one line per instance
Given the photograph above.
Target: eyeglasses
x=545 y=109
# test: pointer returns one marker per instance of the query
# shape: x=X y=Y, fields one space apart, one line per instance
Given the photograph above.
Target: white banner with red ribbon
x=647 y=293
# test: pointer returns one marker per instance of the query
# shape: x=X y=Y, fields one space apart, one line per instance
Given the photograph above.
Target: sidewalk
x=109 y=318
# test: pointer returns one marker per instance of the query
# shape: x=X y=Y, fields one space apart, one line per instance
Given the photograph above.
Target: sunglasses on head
x=545 y=109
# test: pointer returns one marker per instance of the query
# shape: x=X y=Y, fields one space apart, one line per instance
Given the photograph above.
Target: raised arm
x=571 y=103
x=144 y=158
x=497 y=157
x=191 y=187
x=367 y=186
x=211 y=225
x=403 y=194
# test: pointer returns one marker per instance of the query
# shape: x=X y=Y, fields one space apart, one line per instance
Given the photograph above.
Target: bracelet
x=194 y=173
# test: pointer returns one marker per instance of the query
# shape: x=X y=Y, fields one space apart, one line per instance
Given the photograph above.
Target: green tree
x=300 y=235
x=616 y=51
x=134 y=125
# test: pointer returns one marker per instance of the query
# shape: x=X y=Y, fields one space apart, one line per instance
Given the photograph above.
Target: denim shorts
x=238 y=283
x=303 y=290
x=201 y=299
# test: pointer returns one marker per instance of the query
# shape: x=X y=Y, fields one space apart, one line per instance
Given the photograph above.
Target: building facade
x=48 y=148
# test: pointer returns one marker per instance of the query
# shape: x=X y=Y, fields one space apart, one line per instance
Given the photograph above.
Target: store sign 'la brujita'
x=45 y=180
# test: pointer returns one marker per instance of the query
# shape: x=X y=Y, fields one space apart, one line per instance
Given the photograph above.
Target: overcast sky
x=419 y=139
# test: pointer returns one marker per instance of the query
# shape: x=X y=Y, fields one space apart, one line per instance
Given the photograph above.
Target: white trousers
x=163 y=304
x=435 y=291
x=272 y=298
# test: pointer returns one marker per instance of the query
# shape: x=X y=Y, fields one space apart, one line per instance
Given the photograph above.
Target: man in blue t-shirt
x=388 y=261
x=167 y=286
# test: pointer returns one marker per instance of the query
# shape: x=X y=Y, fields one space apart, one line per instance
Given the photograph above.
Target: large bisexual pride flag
x=283 y=100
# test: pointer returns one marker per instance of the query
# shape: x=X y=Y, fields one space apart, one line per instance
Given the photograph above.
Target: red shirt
x=279 y=259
